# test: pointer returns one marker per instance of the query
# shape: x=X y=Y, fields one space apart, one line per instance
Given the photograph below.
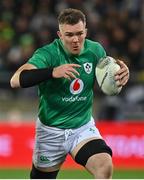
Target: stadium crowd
x=118 y=25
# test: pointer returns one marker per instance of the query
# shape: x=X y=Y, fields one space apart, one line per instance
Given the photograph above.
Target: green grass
x=71 y=174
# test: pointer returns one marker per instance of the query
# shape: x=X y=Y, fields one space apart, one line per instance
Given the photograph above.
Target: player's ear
x=59 y=34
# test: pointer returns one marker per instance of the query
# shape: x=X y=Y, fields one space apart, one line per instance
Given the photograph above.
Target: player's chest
x=86 y=77
x=86 y=70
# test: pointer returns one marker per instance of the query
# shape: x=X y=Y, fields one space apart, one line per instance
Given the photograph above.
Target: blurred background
x=117 y=25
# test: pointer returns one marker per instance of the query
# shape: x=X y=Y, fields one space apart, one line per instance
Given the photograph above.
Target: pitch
x=72 y=174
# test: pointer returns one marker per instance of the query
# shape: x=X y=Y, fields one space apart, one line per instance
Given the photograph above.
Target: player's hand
x=123 y=74
x=67 y=71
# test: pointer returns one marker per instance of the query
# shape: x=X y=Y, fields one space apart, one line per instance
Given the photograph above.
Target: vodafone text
x=73 y=99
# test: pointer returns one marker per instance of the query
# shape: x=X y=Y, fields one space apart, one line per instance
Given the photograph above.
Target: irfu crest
x=87 y=67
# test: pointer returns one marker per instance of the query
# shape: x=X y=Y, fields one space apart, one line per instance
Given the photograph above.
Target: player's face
x=73 y=36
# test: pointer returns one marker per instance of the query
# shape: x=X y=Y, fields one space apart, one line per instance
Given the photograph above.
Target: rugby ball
x=105 y=75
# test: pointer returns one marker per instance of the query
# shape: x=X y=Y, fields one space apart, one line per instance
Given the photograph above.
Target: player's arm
x=15 y=80
x=123 y=74
x=28 y=75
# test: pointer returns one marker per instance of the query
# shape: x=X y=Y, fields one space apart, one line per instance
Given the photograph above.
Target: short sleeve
x=40 y=59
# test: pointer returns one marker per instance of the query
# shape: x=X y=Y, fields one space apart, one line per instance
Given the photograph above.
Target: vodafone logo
x=76 y=86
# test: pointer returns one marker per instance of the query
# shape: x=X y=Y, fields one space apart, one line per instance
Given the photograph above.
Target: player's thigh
x=89 y=149
x=80 y=145
x=100 y=163
x=88 y=133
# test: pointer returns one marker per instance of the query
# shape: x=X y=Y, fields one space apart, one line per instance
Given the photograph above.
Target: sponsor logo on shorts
x=44 y=159
x=92 y=130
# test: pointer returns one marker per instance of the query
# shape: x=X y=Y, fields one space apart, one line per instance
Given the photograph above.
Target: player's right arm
x=29 y=75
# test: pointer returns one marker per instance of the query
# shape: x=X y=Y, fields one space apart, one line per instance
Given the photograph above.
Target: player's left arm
x=123 y=74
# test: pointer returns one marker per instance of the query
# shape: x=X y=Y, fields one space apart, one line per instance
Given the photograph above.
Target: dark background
x=29 y=24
